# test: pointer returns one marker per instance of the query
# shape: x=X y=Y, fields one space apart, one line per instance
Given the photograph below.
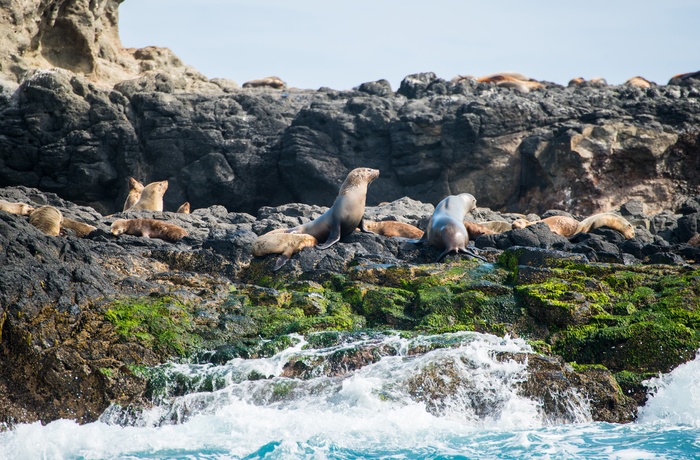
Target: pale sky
x=341 y=44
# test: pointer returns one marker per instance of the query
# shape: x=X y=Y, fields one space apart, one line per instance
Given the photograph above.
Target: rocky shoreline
x=80 y=318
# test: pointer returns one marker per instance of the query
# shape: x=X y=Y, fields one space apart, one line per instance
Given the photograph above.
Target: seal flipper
x=444 y=253
x=471 y=253
x=333 y=237
x=281 y=260
x=362 y=227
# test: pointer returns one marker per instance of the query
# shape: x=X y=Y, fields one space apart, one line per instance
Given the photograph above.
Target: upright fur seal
x=149 y=228
x=135 y=190
x=47 y=219
x=151 y=197
x=446 y=228
x=347 y=211
x=606 y=219
x=285 y=244
x=16 y=208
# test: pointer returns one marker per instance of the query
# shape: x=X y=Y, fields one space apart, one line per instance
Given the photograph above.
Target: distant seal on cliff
x=347 y=212
x=285 y=244
x=47 y=219
x=639 y=82
x=184 y=208
x=681 y=77
x=446 y=228
x=271 y=82
x=561 y=225
x=16 y=208
x=694 y=240
x=391 y=228
x=80 y=229
x=512 y=80
x=151 y=197
x=135 y=190
x=149 y=228
x=606 y=219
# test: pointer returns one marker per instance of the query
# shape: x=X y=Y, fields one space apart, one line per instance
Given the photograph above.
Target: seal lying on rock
x=80 y=229
x=347 y=211
x=391 y=228
x=285 y=244
x=149 y=228
x=561 y=225
x=475 y=229
x=606 y=219
x=151 y=197
x=16 y=208
x=446 y=228
x=47 y=219
x=270 y=82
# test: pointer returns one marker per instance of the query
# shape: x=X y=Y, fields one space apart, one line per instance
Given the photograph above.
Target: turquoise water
x=370 y=413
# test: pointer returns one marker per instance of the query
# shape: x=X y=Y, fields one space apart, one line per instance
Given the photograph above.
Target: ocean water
x=384 y=410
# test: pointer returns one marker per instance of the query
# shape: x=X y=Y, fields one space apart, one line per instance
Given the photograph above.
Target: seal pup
x=285 y=244
x=270 y=82
x=80 y=229
x=639 y=82
x=497 y=226
x=184 y=208
x=606 y=219
x=16 y=208
x=148 y=228
x=347 y=212
x=446 y=228
x=135 y=190
x=561 y=225
x=151 y=197
x=391 y=228
x=47 y=219
x=475 y=230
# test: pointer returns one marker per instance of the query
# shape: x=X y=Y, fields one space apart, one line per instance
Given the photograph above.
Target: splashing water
x=429 y=397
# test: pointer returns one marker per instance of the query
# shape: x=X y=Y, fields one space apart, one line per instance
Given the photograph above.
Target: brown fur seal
x=576 y=81
x=16 y=208
x=391 y=228
x=561 y=225
x=148 y=228
x=639 y=82
x=285 y=244
x=47 y=219
x=347 y=211
x=606 y=219
x=475 y=230
x=184 y=208
x=151 y=197
x=512 y=80
x=497 y=226
x=446 y=228
x=681 y=77
x=80 y=229
x=270 y=82
x=694 y=240
x=135 y=190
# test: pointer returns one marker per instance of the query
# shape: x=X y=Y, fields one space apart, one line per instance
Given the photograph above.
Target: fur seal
x=47 y=219
x=184 y=208
x=285 y=244
x=694 y=240
x=16 y=208
x=446 y=228
x=475 y=230
x=639 y=82
x=270 y=82
x=135 y=190
x=561 y=225
x=347 y=211
x=682 y=77
x=606 y=219
x=391 y=228
x=497 y=226
x=512 y=80
x=149 y=228
x=80 y=229
x=151 y=197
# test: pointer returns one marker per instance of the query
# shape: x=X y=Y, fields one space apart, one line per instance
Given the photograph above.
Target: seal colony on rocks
x=148 y=228
x=347 y=212
x=446 y=228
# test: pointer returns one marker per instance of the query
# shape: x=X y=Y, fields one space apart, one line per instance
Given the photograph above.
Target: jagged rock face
x=583 y=150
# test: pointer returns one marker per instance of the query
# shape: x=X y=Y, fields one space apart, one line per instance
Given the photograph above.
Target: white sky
x=341 y=44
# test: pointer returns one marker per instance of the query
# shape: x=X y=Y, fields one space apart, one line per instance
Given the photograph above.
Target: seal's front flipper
x=362 y=227
x=333 y=238
x=281 y=260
